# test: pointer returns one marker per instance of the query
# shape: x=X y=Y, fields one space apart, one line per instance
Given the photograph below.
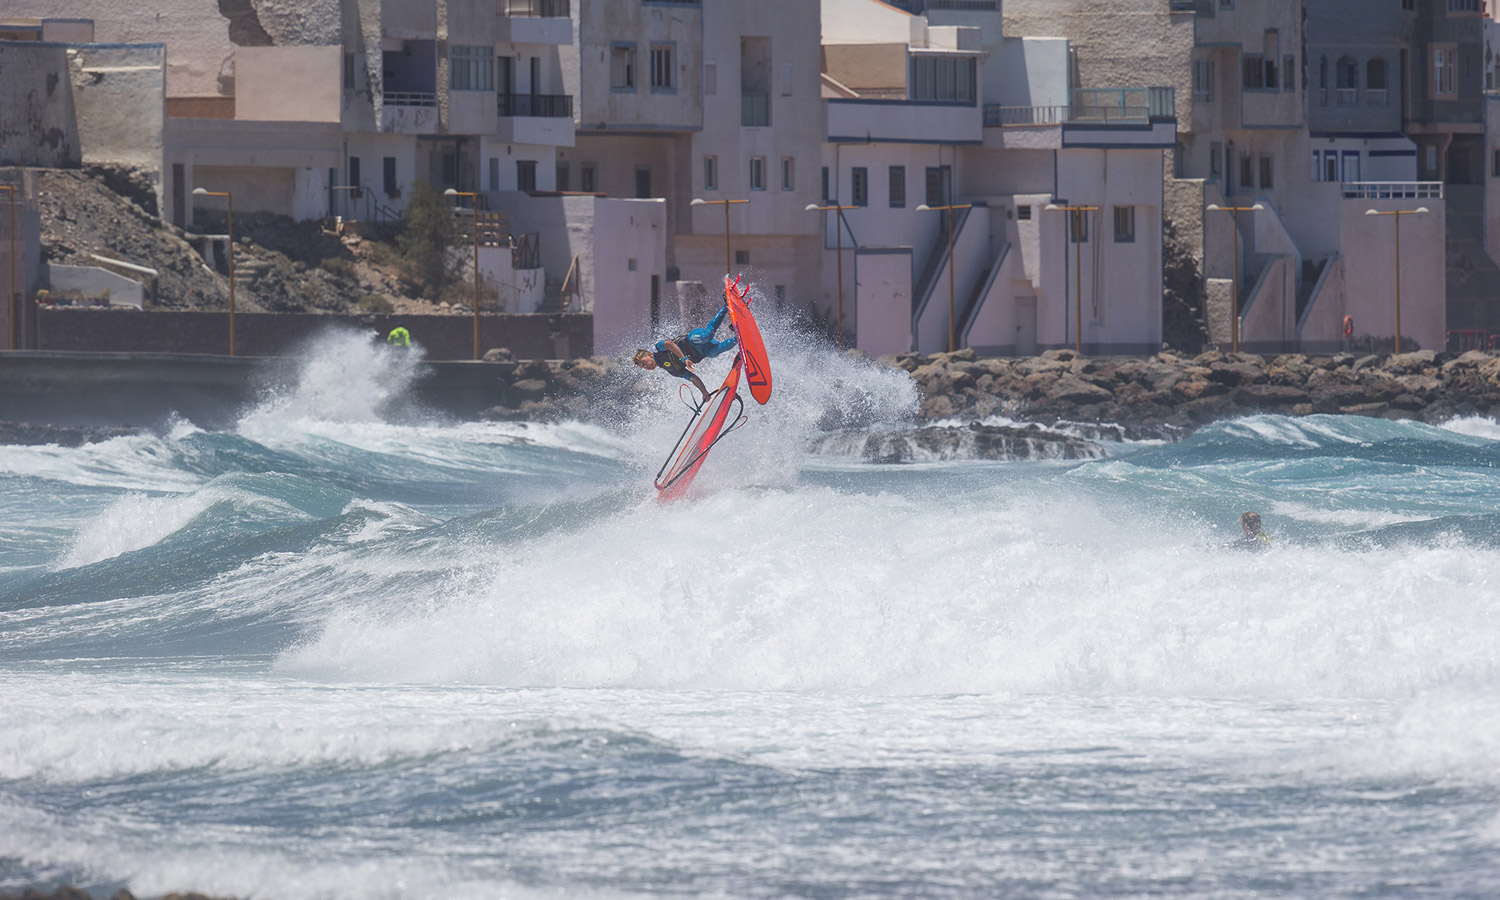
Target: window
x=494 y=173
x=564 y=182
x=1444 y=61
x=1215 y=151
x=825 y=186
x=710 y=78
x=1254 y=71
x=757 y=173
x=942 y=78
x=1247 y=173
x=622 y=67
x=642 y=182
x=898 y=187
x=742 y=257
x=1375 y=94
x=1265 y=171
x=1495 y=163
x=1023 y=212
x=937 y=185
x=348 y=71
x=1203 y=80
x=354 y=178
x=1271 y=43
x=1124 y=224
x=1323 y=81
x=1079 y=221
x=1348 y=82
x=470 y=69
x=389 y=171
x=859 y=185
x=588 y=177
x=526 y=175
x=710 y=173
x=1226 y=4
x=788 y=174
x=1463 y=5
x=662 y=56
x=1289 y=73
x=1408 y=4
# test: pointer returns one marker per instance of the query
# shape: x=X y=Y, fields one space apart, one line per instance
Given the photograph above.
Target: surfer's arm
x=677 y=352
x=698 y=383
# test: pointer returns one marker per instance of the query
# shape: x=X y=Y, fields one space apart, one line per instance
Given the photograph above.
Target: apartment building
x=707 y=101
x=937 y=104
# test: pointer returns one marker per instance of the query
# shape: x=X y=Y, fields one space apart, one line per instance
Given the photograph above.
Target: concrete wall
x=277 y=334
x=20 y=263
x=867 y=67
x=201 y=36
x=1370 y=272
x=882 y=292
x=866 y=22
x=119 y=97
x=94 y=282
x=38 y=124
x=288 y=84
x=1027 y=71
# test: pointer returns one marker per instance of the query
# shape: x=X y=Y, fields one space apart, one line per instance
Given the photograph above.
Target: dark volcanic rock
x=974 y=441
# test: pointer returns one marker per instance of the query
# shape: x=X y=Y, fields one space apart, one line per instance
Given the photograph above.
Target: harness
x=669 y=363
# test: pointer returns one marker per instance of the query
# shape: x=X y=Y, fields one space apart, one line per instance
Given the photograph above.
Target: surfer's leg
x=714 y=348
x=713 y=324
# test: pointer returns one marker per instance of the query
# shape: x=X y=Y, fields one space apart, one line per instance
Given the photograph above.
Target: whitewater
x=333 y=652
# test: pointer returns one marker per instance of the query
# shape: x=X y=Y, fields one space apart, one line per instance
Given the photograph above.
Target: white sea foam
x=1475 y=426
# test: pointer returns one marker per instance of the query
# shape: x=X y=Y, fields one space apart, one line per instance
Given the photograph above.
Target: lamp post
x=1077 y=267
x=1234 y=306
x=229 y=204
x=1398 y=213
x=474 y=229
x=698 y=201
x=952 y=342
x=10 y=298
x=838 y=335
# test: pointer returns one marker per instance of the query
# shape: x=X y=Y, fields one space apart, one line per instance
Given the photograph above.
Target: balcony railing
x=755 y=110
x=409 y=98
x=546 y=106
x=545 y=9
x=1392 y=190
x=1110 y=106
x=1375 y=97
x=1346 y=97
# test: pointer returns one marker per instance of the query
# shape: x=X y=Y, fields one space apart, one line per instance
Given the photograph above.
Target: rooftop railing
x=1109 y=106
x=1392 y=190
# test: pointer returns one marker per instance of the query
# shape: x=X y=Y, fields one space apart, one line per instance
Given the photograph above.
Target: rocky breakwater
x=1168 y=392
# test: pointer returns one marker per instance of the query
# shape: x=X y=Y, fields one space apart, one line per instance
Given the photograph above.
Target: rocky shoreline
x=1165 y=396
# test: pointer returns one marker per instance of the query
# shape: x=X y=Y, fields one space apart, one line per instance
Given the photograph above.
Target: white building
x=943 y=109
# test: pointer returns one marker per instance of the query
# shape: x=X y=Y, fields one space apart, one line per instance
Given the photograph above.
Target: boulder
x=529 y=388
x=1410 y=362
x=1473 y=359
x=1268 y=396
x=1236 y=373
x=1072 y=389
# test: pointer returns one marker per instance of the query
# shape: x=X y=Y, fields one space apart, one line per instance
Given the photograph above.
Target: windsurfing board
x=752 y=347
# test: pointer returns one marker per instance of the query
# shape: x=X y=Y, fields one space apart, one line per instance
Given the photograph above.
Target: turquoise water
x=324 y=655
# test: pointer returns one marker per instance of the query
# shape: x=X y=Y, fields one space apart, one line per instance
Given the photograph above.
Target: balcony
x=409 y=98
x=534 y=22
x=755 y=110
x=1392 y=190
x=1376 y=97
x=1095 y=106
x=547 y=106
x=1346 y=97
x=409 y=112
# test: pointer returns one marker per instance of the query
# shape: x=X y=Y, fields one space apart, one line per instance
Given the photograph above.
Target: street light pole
x=1234 y=307
x=1398 y=213
x=838 y=334
x=474 y=223
x=10 y=298
x=1077 y=268
x=698 y=201
x=952 y=269
x=229 y=204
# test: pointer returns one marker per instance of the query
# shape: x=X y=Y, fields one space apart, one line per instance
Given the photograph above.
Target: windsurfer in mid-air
x=677 y=356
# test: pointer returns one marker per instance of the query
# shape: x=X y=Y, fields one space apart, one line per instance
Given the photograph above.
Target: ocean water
x=323 y=654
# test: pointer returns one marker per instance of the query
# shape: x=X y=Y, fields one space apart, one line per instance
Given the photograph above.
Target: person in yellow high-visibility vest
x=399 y=337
